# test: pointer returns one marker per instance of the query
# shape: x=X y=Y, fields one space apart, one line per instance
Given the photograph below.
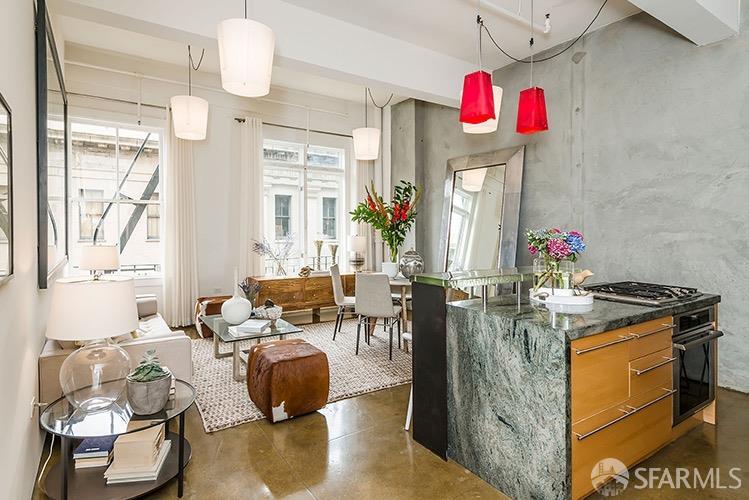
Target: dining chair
x=343 y=302
x=407 y=337
x=373 y=302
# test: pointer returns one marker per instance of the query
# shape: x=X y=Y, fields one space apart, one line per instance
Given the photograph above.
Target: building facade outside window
x=304 y=201
x=115 y=185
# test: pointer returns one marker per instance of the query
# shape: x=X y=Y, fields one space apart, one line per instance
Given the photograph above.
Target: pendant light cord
x=193 y=66
x=530 y=41
x=479 y=23
x=375 y=103
x=524 y=61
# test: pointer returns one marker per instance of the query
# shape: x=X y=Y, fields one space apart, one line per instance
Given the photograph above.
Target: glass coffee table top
x=62 y=419
x=221 y=328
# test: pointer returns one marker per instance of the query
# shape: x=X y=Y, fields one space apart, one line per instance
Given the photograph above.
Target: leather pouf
x=287 y=378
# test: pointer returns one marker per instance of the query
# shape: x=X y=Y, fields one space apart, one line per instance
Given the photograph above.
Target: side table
x=60 y=419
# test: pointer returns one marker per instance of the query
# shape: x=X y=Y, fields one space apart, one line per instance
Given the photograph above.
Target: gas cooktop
x=635 y=292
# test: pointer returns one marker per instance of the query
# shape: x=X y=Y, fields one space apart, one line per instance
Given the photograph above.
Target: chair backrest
x=335 y=276
x=373 y=295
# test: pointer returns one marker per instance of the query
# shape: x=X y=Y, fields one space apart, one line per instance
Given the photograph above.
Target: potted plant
x=148 y=385
x=393 y=220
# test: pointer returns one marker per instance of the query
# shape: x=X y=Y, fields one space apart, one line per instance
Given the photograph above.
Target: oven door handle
x=713 y=334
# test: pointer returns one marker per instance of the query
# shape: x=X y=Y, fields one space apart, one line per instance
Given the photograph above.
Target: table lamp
x=99 y=258
x=357 y=246
x=94 y=311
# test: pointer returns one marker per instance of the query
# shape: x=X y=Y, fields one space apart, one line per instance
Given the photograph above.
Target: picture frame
x=6 y=192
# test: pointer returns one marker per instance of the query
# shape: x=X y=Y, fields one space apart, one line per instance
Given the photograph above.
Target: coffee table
x=220 y=329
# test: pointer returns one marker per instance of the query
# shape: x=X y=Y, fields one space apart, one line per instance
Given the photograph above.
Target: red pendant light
x=532 y=111
x=477 y=100
x=531 y=103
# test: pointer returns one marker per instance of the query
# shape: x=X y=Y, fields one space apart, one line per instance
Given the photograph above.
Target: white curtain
x=180 y=247
x=251 y=197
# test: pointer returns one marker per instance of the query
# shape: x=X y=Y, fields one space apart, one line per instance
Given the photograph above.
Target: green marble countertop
x=462 y=279
x=605 y=316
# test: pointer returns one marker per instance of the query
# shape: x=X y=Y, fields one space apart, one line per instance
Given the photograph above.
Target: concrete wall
x=23 y=308
x=647 y=155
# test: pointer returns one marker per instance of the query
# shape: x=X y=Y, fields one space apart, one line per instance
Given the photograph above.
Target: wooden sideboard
x=294 y=293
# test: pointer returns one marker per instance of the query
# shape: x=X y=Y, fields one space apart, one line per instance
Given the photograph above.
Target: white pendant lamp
x=190 y=113
x=245 y=50
x=473 y=180
x=366 y=139
x=490 y=125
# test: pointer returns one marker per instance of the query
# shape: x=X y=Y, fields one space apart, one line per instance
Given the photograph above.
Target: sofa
x=173 y=348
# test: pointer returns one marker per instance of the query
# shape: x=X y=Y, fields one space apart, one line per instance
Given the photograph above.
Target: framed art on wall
x=52 y=152
x=6 y=192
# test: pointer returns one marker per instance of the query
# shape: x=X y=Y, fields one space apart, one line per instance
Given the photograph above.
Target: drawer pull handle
x=622 y=338
x=663 y=328
x=580 y=437
x=657 y=365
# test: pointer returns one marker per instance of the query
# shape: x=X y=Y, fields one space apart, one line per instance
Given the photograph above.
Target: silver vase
x=411 y=263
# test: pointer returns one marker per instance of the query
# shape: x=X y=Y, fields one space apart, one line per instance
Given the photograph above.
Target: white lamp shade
x=92 y=309
x=366 y=143
x=245 y=50
x=357 y=243
x=473 y=180
x=99 y=258
x=189 y=117
x=489 y=125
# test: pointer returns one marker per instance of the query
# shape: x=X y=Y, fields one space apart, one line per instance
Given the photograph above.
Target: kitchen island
x=535 y=399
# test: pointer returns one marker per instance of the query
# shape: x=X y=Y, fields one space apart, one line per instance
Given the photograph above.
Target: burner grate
x=648 y=293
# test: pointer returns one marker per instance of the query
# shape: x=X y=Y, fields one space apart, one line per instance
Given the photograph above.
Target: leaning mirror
x=6 y=193
x=481 y=211
x=52 y=152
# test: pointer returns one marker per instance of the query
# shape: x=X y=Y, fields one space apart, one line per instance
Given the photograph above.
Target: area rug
x=224 y=403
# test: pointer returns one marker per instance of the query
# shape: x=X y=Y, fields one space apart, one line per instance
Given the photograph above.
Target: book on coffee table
x=249 y=326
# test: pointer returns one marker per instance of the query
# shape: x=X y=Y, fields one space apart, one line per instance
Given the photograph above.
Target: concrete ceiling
x=414 y=48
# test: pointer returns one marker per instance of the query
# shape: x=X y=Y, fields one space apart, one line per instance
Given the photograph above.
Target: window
x=115 y=182
x=304 y=188
x=153 y=214
x=90 y=214
x=283 y=215
x=329 y=217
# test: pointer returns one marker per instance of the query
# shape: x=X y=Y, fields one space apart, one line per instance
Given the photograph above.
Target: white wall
x=23 y=308
x=216 y=158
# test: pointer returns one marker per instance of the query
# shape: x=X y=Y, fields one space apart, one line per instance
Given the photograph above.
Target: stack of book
x=138 y=456
x=249 y=326
x=93 y=452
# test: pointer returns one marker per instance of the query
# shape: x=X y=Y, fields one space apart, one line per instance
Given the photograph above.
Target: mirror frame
x=44 y=38
x=513 y=159
x=9 y=154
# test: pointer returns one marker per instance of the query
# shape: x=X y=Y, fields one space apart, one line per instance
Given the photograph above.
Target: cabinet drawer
x=651 y=372
x=599 y=372
x=652 y=336
x=628 y=432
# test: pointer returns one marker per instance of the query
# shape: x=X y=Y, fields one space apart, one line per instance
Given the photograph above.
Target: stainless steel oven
x=695 y=348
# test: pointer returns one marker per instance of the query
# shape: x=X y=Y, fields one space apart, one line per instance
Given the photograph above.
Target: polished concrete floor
x=357 y=448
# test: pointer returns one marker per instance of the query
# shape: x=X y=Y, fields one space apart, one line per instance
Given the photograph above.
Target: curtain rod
x=163 y=108
x=242 y=120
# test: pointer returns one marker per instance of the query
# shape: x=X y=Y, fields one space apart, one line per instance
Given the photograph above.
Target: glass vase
x=552 y=273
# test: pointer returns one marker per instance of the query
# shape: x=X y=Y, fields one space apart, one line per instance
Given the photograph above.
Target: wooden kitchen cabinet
x=621 y=405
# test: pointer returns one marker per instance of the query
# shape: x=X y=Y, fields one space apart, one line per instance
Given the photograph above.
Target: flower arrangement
x=250 y=287
x=554 y=246
x=393 y=220
x=278 y=254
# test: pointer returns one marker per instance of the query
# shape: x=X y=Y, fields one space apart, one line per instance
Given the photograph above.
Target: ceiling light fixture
x=477 y=99
x=531 y=103
x=547 y=24
x=190 y=113
x=245 y=49
x=490 y=125
x=366 y=139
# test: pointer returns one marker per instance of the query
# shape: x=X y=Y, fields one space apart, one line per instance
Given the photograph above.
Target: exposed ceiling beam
x=305 y=40
x=701 y=21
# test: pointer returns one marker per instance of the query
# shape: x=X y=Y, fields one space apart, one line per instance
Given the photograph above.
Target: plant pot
x=390 y=268
x=146 y=398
